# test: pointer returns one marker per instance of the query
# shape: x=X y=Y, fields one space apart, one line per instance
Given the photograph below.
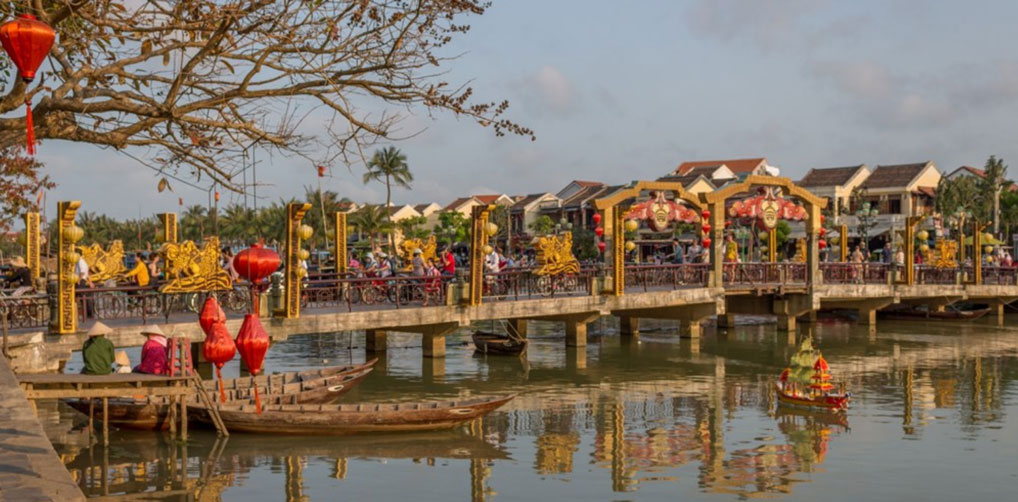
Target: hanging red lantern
x=705 y=214
x=601 y=246
x=597 y=218
x=256 y=263
x=321 y=171
x=27 y=41
x=822 y=219
x=218 y=349
x=211 y=313
x=822 y=244
x=599 y=231
x=253 y=343
x=822 y=231
x=728 y=223
x=706 y=228
x=706 y=242
x=217 y=195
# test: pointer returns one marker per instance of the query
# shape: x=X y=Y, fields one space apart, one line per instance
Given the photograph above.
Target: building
x=896 y=192
x=740 y=168
x=835 y=183
x=465 y=205
x=526 y=210
x=977 y=173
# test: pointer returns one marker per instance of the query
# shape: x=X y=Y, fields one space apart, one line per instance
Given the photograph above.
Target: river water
x=662 y=418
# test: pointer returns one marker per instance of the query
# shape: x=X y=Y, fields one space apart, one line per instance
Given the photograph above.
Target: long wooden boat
x=806 y=382
x=343 y=419
x=493 y=343
x=909 y=314
x=153 y=413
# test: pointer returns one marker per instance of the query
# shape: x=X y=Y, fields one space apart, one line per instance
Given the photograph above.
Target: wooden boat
x=300 y=388
x=494 y=343
x=806 y=383
x=911 y=313
x=342 y=419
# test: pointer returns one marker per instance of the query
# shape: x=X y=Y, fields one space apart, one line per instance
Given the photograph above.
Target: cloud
x=763 y=22
x=548 y=91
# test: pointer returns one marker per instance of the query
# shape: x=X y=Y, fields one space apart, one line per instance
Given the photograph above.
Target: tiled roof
x=420 y=208
x=588 y=183
x=829 y=176
x=928 y=191
x=487 y=199
x=454 y=205
x=899 y=175
x=687 y=179
x=583 y=195
x=737 y=166
x=526 y=200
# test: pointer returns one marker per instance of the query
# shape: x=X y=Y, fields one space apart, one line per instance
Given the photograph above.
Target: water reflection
x=646 y=418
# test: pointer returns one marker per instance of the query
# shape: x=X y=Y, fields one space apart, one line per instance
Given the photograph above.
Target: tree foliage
x=187 y=85
x=20 y=181
x=543 y=225
x=452 y=227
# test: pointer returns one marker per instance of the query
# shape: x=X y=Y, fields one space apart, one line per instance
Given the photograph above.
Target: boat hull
x=492 y=343
x=826 y=402
x=345 y=419
x=912 y=315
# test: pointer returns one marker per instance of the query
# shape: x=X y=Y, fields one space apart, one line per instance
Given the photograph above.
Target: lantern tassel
x=30 y=128
x=258 y=401
x=222 y=391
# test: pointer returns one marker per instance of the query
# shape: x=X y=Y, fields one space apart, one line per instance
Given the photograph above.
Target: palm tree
x=371 y=221
x=192 y=223
x=992 y=182
x=389 y=164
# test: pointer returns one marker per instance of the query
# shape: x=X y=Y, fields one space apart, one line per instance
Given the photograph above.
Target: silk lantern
x=27 y=41
x=256 y=263
x=219 y=349
x=705 y=241
x=597 y=218
x=253 y=343
x=211 y=313
x=601 y=246
x=599 y=231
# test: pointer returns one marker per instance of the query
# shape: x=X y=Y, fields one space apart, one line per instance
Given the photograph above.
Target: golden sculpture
x=189 y=269
x=946 y=251
x=800 y=251
x=407 y=247
x=555 y=255
x=104 y=265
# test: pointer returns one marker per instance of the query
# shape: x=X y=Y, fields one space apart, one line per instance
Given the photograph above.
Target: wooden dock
x=30 y=469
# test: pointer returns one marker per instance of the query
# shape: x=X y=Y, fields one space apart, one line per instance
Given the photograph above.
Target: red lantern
x=27 y=41
x=599 y=231
x=321 y=171
x=705 y=214
x=706 y=242
x=822 y=219
x=822 y=231
x=217 y=195
x=218 y=350
x=728 y=223
x=601 y=246
x=211 y=313
x=256 y=263
x=597 y=218
x=253 y=343
x=822 y=243
x=706 y=229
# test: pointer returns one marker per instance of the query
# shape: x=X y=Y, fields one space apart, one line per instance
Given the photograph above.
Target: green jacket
x=97 y=352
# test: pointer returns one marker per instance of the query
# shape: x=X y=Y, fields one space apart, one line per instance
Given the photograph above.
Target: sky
x=617 y=91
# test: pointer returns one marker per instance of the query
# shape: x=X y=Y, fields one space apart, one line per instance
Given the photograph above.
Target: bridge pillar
x=998 y=309
x=786 y=323
x=576 y=333
x=374 y=340
x=691 y=329
x=629 y=326
x=726 y=321
x=518 y=327
x=433 y=345
x=868 y=316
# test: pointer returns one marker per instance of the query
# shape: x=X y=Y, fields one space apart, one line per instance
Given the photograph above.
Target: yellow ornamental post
x=478 y=243
x=341 y=259
x=169 y=223
x=295 y=233
x=32 y=247
x=67 y=234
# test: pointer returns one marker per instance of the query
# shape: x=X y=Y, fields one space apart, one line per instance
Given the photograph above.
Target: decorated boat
x=494 y=343
x=343 y=419
x=323 y=385
x=806 y=382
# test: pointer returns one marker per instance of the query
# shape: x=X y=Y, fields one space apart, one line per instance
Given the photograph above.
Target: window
x=894 y=206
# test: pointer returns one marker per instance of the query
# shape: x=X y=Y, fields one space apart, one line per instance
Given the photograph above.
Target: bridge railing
x=25 y=311
x=1004 y=276
x=855 y=273
x=667 y=276
x=370 y=293
x=146 y=302
x=764 y=273
x=929 y=274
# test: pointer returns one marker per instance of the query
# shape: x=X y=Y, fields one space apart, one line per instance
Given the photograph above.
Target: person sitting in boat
x=153 y=353
x=123 y=362
x=97 y=352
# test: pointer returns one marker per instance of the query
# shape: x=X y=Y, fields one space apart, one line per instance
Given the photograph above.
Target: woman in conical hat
x=153 y=353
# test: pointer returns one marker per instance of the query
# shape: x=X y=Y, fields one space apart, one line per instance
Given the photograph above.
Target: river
x=658 y=418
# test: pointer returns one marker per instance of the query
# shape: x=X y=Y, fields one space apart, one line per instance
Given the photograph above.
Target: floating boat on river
x=912 y=313
x=806 y=383
x=342 y=419
x=323 y=385
x=494 y=343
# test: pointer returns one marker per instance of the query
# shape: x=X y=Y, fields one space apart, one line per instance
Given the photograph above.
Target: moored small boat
x=343 y=419
x=911 y=313
x=806 y=383
x=323 y=385
x=493 y=343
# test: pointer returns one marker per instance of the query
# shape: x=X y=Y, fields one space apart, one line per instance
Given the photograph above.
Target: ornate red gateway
x=768 y=207
x=660 y=213
x=27 y=41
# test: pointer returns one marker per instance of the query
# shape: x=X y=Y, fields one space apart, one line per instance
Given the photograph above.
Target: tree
x=193 y=223
x=389 y=165
x=543 y=225
x=990 y=185
x=413 y=227
x=20 y=182
x=453 y=226
x=190 y=85
x=958 y=196
x=325 y=203
x=371 y=220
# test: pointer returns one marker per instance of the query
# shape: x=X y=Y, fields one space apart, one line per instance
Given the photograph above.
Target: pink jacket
x=153 y=358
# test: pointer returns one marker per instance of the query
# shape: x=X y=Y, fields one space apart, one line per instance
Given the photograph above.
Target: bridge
x=45 y=328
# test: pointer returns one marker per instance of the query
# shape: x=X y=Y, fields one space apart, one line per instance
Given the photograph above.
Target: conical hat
x=153 y=329
x=99 y=329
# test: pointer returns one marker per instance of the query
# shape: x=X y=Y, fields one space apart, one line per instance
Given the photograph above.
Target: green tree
x=453 y=227
x=413 y=227
x=370 y=221
x=543 y=225
x=389 y=165
x=193 y=223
